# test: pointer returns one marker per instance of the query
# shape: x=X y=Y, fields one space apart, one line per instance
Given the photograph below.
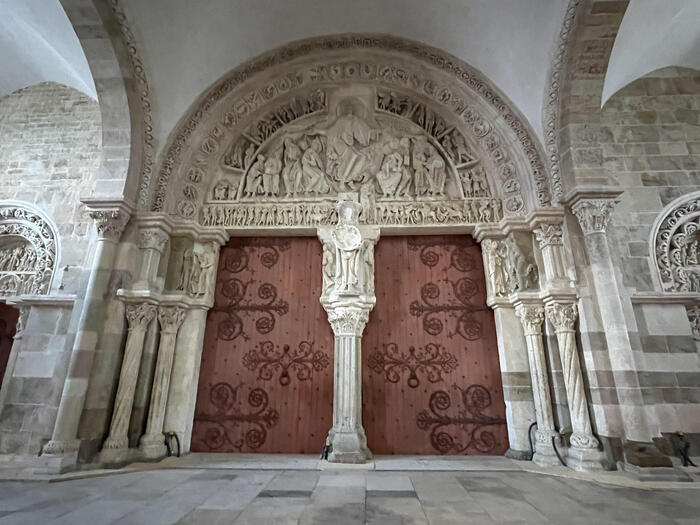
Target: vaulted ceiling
x=186 y=46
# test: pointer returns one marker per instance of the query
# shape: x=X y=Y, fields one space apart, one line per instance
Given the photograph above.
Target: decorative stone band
x=531 y=317
x=301 y=213
x=139 y=315
x=110 y=223
x=153 y=239
x=348 y=320
x=549 y=235
x=562 y=316
x=593 y=214
x=171 y=318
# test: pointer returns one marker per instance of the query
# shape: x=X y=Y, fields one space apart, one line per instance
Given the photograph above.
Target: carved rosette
x=28 y=247
x=593 y=214
x=153 y=239
x=562 y=316
x=531 y=317
x=110 y=223
x=549 y=235
x=140 y=315
x=348 y=320
x=171 y=318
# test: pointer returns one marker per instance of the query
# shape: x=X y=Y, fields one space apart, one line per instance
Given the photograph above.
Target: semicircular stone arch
x=28 y=250
x=421 y=137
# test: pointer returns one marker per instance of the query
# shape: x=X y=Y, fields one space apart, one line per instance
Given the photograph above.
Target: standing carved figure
x=186 y=270
x=254 y=180
x=313 y=178
x=271 y=176
x=205 y=261
x=522 y=275
x=496 y=258
x=348 y=241
x=291 y=172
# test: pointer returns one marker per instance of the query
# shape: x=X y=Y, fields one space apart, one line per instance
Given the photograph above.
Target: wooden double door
x=430 y=375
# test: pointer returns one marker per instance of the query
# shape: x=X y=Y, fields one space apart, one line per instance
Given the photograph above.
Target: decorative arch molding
x=429 y=82
x=675 y=242
x=28 y=249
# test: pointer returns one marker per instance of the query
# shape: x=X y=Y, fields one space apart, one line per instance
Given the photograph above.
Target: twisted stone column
x=116 y=446
x=63 y=446
x=152 y=443
x=532 y=317
x=584 y=454
x=348 y=434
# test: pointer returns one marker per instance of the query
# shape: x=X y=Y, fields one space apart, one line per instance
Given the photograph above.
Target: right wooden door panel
x=431 y=381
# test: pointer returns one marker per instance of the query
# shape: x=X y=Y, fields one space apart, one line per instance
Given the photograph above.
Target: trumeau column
x=116 y=447
x=532 y=316
x=593 y=213
x=348 y=297
x=63 y=446
x=152 y=442
x=583 y=454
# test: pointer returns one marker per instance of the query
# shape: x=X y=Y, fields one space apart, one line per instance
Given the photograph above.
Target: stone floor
x=221 y=496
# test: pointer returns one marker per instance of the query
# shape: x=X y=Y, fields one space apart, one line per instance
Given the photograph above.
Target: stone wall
x=50 y=150
x=646 y=141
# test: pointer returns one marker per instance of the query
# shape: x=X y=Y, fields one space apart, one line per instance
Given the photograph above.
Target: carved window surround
x=29 y=250
x=674 y=246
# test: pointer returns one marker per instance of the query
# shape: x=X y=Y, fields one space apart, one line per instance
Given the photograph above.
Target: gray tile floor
x=223 y=496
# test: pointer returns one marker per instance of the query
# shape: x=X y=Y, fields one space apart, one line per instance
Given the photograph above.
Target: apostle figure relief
x=405 y=159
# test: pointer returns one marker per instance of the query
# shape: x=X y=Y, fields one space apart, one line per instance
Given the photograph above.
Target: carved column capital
x=171 y=318
x=531 y=316
x=110 y=223
x=348 y=320
x=593 y=214
x=140 y=315
x=562 y=316
x=549 y=235
x=153 y=239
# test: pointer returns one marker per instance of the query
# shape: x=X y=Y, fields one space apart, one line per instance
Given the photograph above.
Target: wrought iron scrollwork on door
x=269 y=359
x=470 y=419
x=430 y=308
x=226 y=425
x=432 y=360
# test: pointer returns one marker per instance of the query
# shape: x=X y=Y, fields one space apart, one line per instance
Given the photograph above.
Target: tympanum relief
x=408 y=164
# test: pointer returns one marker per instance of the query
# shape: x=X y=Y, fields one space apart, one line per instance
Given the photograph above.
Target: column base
x=57 y=457
x=585 y=459
x=349 y=447
x=115 y=451
x=153 y=447
x=518 y=455
x=644 y=455
x=545 y=456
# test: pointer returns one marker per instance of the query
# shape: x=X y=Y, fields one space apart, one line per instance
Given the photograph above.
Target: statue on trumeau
x=347 y=240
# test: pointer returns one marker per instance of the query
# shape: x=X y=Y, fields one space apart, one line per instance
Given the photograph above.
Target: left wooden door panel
x=266 y=379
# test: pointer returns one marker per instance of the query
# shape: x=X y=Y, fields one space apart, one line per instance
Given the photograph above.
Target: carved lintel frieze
x=140 y=315
x=110 y=223
x=531 y=316
x=549 y=235
x=152 y=239
x=562 y=316
x=593 y=214
x=171 y=318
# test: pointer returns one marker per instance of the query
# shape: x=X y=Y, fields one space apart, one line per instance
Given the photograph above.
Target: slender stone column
x=152 y=242
x=116 y=446
x=63 y=446
x=549 y=238
x=584 y=454
x=152 y=443
x=348 y=434
x=532 y=317
x=593 y=215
